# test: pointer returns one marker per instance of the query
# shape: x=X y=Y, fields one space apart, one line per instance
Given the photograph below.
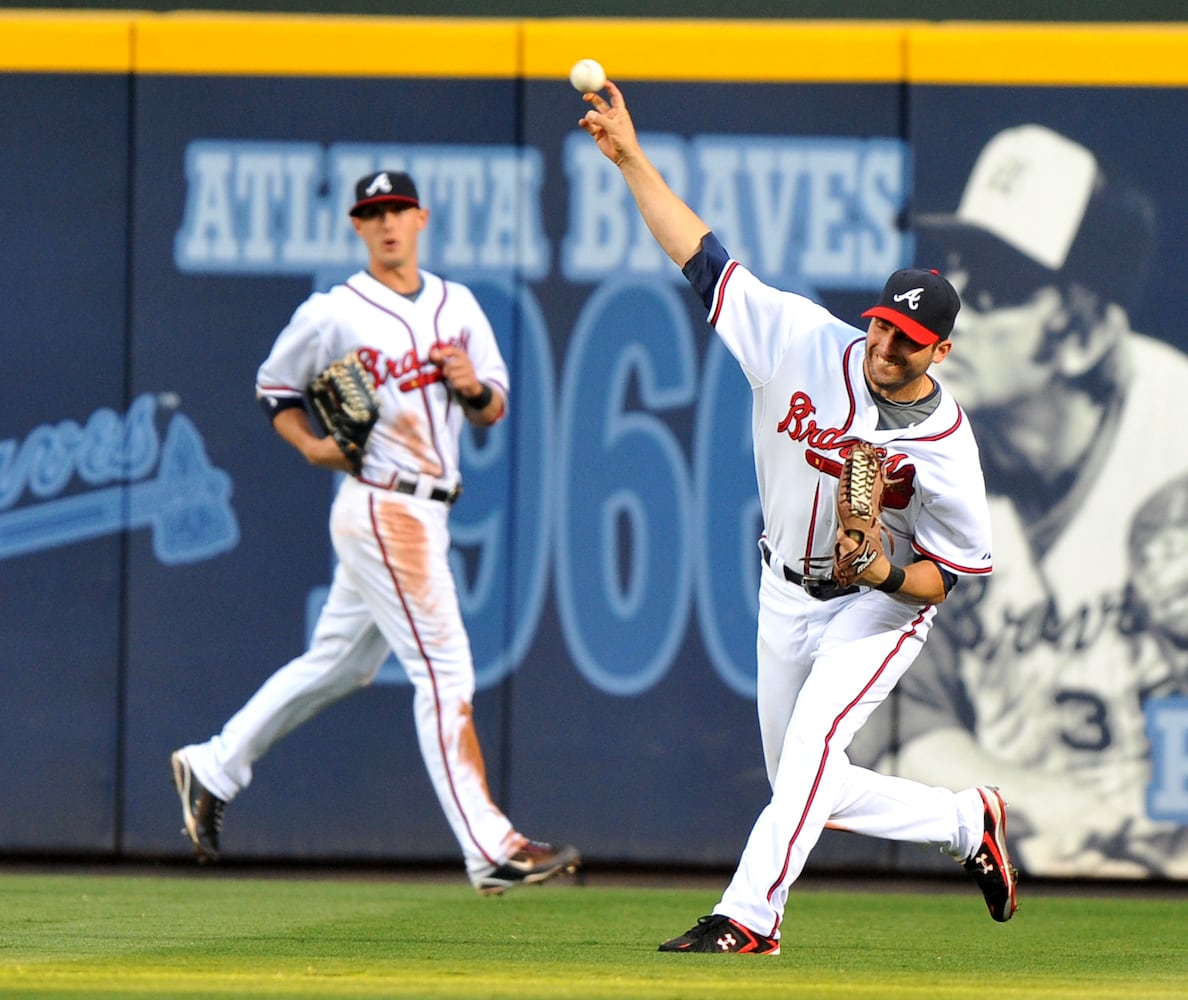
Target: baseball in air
x=587 y=75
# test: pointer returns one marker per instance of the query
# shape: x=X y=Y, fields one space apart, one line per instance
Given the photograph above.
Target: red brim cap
x=393 y=186
x=911 y=329
x=386 y=199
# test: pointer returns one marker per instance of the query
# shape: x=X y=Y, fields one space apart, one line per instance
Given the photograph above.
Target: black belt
x=820 y=588
x=437 y=493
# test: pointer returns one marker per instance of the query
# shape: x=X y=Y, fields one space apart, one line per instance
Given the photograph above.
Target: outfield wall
x=174 y=185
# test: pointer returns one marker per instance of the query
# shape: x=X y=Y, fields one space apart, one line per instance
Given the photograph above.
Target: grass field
x=71 y=935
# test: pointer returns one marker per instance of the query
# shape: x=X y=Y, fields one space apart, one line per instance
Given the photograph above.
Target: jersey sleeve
x=758 y=323
x=954 y=532
x=297 y=355
x=953 y=527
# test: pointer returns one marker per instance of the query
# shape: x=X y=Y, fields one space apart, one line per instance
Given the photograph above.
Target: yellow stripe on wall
x=65 y=42
x=1086 y=55
x=720 y=51
x=709 y=51
x=263 y=45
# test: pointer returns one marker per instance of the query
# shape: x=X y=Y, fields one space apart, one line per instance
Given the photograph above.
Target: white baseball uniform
x=1042 y=671
x=825 y=665
x=393 y=586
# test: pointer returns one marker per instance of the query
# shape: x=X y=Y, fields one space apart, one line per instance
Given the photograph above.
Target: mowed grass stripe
x=195 y=935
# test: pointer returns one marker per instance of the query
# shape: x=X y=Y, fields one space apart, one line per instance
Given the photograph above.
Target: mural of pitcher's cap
x=385 y=186
x=1040 y=209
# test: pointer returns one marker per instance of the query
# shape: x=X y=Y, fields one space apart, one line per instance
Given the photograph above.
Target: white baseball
x=587 y=75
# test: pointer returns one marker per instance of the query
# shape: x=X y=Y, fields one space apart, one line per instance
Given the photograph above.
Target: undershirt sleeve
x=948 y=577
x=703 y=269
x=272 y=405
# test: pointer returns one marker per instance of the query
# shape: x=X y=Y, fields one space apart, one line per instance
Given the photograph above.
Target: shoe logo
x=985 y=863
x=727 y=942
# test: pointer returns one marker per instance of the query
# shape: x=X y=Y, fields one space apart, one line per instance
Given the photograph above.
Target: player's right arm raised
x=676 y=227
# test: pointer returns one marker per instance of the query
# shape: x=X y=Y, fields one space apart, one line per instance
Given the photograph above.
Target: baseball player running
x=829 y=654
x=435 y=362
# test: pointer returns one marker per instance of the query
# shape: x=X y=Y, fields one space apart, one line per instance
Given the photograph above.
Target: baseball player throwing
x=829 y=654
x=435 y=362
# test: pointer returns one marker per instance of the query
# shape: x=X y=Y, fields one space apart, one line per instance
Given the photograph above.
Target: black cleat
x=717 y=933
x=990 y=865
x=532 y=863
x=202 y=811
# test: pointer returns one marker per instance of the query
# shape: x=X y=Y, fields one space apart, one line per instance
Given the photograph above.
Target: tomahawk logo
x=129 y=479
x=911 y=296
x=381 y=183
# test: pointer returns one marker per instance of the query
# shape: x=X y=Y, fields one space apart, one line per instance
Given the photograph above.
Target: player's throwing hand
x=610 y=125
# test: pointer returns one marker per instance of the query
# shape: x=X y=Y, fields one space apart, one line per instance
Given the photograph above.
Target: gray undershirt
x=897 y=416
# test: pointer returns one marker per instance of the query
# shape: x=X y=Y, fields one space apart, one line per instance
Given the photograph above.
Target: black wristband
x=480 y=401
x=894 y=580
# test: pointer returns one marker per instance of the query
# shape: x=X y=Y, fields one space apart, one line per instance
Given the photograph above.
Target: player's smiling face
x=896 y=365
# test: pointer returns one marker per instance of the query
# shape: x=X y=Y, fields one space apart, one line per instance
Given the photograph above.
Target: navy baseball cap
x=921 y=303
x=385 y=186
x=1040 y=209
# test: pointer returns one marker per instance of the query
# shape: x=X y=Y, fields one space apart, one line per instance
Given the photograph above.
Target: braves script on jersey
x=420 y=420
x=811 y=398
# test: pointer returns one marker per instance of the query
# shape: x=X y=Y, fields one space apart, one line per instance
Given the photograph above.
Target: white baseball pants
x=824 y=667
x=393 y=588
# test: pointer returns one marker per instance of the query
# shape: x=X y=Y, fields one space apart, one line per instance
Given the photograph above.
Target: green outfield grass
x=199 y=935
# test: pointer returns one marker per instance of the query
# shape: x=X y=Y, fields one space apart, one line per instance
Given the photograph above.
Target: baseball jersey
x=810 y=399
x=420 y=419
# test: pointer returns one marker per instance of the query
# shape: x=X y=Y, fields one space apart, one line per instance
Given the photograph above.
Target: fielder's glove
x=859 y=503
x=343 y=400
